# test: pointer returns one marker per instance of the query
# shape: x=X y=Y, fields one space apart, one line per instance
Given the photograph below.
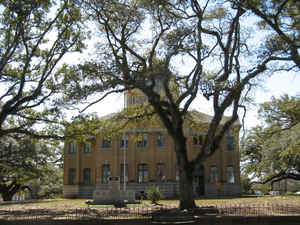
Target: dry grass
x=80 y=203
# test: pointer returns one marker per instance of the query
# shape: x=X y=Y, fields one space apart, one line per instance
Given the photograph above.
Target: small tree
x=154 y=194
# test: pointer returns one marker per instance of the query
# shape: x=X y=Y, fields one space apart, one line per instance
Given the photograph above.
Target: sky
x=276 y=85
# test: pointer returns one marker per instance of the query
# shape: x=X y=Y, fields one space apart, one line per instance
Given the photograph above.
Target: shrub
x=154 y=194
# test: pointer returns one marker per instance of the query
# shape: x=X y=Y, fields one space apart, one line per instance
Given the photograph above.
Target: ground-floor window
x=71 y=176
x=230 y=174
x=160 y=171
x=142 y=173
x=213 y=174
x=176 y=173
x=105 y=173
x=87 y=176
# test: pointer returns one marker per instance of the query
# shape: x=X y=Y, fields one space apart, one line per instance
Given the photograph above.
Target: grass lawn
x=80 y=203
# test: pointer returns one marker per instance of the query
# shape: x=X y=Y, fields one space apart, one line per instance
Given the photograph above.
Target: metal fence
x=101 y=214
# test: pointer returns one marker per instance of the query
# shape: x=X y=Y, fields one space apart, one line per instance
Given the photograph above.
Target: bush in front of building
x=154 y=194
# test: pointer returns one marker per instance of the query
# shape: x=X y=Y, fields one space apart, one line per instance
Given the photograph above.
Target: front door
x=199 y=181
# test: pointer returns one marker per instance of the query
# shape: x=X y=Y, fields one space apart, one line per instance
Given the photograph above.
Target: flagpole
x=124 y=155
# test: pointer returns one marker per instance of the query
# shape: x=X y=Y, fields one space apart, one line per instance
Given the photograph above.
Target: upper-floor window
x=160 y=140
x=87 y=148
x=105 y=173
x=72 y=148
x=213 y=174
x=106 y=142
x=87 y=176
x=124 y=141
x=198 y=140
x=142 y=141
x=230 y=174
x=230 y=143
x=71 y=176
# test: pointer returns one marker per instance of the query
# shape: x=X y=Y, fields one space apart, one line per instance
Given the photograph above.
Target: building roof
x=205 y=118
x=194 y=115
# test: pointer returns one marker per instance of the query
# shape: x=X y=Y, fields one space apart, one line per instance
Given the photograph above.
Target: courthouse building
x=144 y=157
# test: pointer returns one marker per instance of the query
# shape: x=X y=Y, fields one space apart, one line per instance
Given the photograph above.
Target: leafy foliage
x=34 y=37
x=271 y=153
x=23 y=162
x=154 y=194
x=281 y=19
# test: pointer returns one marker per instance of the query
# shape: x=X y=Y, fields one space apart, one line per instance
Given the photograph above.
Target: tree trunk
x=185 y=173
x=7 y=196
x=186 y=189
x=8 y=192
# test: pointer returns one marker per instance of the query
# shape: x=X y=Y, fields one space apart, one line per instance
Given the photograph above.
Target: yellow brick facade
x=152 y=155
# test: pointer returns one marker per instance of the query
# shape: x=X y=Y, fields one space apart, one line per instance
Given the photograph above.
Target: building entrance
x=199 y=181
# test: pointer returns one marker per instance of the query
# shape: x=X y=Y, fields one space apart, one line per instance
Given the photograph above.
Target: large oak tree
x=198 y=47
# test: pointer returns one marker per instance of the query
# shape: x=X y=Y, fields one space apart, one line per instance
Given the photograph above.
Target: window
x=87 y=148
x=160 y=172
x=131 y=100
x=87 y=176
x=72 y=148
x=142 y=173
x=105 y=173
x=160 y=141
x=122 y=173
x=197 y=140
x=71 y=176
x=230 y=174
x=124 y=141
x=143 y=141
x=106 y=143
x=177 y=178
x=230 y=143
x=213 y=174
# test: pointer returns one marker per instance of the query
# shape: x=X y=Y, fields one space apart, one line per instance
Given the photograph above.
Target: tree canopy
x=271 y=152
x=193 y=48
x=23 y=162
x=34 y=38
x=281 y=19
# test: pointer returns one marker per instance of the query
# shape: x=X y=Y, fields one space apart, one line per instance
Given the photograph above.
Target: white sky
x=276 y=85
